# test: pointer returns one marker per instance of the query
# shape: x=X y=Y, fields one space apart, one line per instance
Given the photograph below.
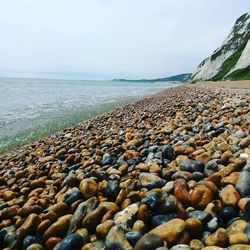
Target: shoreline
x=156 y=170
x=45 y=135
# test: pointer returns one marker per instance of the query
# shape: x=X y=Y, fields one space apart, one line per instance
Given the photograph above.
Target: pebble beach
x=170 y=171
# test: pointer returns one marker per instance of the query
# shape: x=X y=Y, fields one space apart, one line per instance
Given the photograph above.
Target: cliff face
x=232 y=59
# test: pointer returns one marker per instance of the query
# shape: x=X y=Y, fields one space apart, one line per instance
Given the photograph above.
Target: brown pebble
x=58 y=228
x=218 y=238
x=103 y=229
x=194 y=227
x=25 y=211
x=239 y=238
x=43 y=226
x=37 y=184
x=139 y=226
x=88 y=188
x=29 y=226
x=51 y=242
x=143 y=213
x=229 y=196
x=201 y=196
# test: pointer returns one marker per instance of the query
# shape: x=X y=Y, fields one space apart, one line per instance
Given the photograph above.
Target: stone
x=228 y=213
x=213 y=224
x=204 y=217
x=81 y=211
x=218 y=238
x=133 y=237
x=152 y=199
x=196 y=244
x=149 y=241
x=139 y=226
x=239 y=134
x=246 y=213
x=52 y=242
x=247 y=230
x=83 y=232
x=243 y=184
x=192 y=166
x=93 y=218
x=180 y=247
x=143 y=213
x=74 y=196
x=211 y=167
x=88 y=188
x=168 y=152
x=242 y=203
x=112 y=190
x=201 y=196
x=245 y=142
x=229 y=196
x=150 y=181
x=194 y=227
x=182 y=195
x=29 y=226
x=103 y=229
x=170 y=231
x=240 y=247
x=72 y=241
x=204 y=157
x=58 y=228
x=127 y=216
x=169 y=205
x=239 y=238
x=116 y=239
x=159 y=219
x=226 y=156
x=29 y=240
x=35 y=246
x=217 y=132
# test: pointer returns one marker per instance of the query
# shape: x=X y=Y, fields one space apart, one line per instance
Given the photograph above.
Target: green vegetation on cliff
x=240 y=74
x=229 y=63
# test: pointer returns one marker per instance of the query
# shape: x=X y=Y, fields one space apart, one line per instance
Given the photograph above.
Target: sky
x=105 y=39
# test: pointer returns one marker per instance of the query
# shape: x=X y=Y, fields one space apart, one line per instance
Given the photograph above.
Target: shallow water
x=31 y=108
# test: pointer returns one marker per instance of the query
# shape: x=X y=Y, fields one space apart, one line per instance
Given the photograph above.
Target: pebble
x=229 y=196
x=246 y=213
x=218 y=238
x=127 y=216
x=133 y=237
x=192 y=166
x=151 y=181
x=171 y=173
x=35 y=247
x=180 y=247
x=116 y=239
x=170 y=231
x=72 y=241
x=149 y=241
x=157 y=220
x=88 y=188
x=194 y=227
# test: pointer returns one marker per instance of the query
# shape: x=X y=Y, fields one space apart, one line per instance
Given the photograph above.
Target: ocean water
x=31 y=108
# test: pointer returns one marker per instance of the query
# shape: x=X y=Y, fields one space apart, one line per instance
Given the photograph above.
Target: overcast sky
x=103 y=39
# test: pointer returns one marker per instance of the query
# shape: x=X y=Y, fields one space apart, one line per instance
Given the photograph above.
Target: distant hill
x=232 y=59
x=176 y=78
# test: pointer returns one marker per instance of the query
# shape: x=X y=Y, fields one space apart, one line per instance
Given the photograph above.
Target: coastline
x=106 y=108
x=186 y=145
x=53 y=108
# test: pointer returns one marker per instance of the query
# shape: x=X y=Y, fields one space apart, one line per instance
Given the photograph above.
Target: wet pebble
x=72 y=241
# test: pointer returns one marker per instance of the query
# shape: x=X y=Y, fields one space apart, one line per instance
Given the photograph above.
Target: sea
x=32 y=108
